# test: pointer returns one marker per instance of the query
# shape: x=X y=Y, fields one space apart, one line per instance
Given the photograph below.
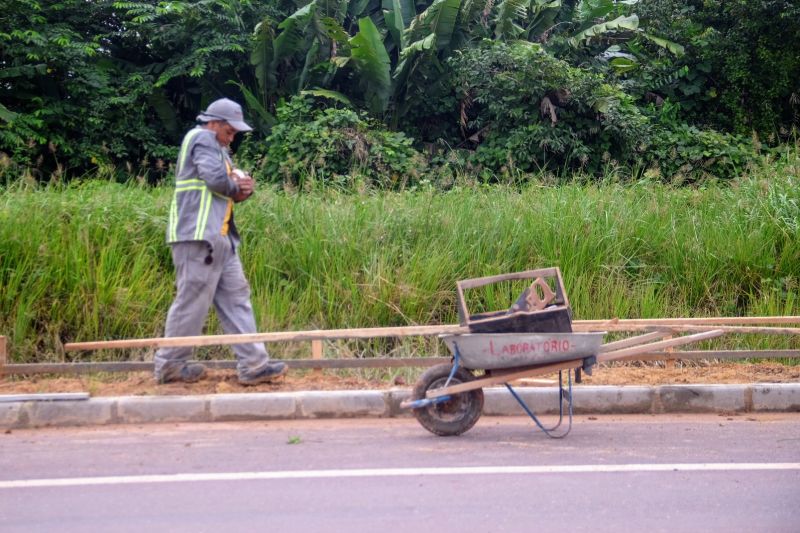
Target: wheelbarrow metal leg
x=563 y=396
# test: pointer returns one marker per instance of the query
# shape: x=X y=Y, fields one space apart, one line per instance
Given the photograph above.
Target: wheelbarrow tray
x=508 y=350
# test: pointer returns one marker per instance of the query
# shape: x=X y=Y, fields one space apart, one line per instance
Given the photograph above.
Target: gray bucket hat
x=227 y=110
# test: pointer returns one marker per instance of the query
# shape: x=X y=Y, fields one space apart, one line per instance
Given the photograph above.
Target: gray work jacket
x=203 y=190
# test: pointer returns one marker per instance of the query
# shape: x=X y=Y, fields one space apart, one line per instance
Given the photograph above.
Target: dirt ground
x=224 y=381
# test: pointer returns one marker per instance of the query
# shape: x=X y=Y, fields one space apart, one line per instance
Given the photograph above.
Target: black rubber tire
x=456 y=415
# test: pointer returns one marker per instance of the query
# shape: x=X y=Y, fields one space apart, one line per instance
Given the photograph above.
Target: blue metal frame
x=564 y=395
x=425 y=402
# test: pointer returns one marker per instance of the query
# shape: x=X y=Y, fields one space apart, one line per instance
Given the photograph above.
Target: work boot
x=270 y=372
x=188 y=373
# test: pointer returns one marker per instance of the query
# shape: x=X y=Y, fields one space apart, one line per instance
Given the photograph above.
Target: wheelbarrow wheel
x=451 y=417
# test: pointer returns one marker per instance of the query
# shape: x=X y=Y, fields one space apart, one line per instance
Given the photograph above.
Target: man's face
x=224 y=131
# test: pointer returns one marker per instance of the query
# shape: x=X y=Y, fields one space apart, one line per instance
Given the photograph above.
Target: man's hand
x=246 y=185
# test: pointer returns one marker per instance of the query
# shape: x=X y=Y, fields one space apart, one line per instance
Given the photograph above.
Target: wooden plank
x=91 y=368
x=316 y=354
x=686 y=321
x=504 y=377
x=534 y=382
x=683 y=328
x=676 y=324
x=713 y=354
x=737 y=354
x=741 y=329
x=316 y=349
x=631 y=341
x=670 y=361
x=3 y=354
x=145 y=366
x=660 y=345
x=276 y=336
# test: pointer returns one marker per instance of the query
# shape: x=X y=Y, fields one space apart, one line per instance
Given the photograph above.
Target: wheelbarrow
x=526 y=339
x=448 y=399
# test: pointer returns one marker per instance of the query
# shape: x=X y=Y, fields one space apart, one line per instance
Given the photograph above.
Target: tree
x=741 y=71
x=57 y=84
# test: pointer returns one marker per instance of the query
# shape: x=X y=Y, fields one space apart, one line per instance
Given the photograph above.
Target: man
x=204 y=240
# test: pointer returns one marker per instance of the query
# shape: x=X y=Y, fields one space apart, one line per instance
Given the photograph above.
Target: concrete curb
x=763 y=397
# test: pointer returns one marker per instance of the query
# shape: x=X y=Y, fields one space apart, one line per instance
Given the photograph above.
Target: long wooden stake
x=504 y=377
x=276 y=336
x=631 y=341
x=676 y=324
x=660 y=345
x=316 y=353
x=380 y=362
x=679 y=327
x=740 y=329
x=147 y=366
x=3 y=354
x=670 y=361
x=705 y=321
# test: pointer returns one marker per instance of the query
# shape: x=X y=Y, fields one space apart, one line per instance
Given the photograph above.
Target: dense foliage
x=667 y=86
x=522 y=108
x=741 y=69
x=87 y=84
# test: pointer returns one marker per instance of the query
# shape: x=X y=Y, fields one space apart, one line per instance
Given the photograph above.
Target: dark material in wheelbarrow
x=543 y=307
x=451 y=417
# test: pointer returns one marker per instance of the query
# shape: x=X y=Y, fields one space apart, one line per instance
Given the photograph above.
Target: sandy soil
x=224 y=381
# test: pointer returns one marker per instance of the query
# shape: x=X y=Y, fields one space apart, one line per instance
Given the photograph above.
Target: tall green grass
x=88 y=261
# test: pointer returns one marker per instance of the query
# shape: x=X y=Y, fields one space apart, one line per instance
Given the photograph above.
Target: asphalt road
x=612 y=473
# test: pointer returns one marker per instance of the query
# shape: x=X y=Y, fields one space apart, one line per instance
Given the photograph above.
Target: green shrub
x=333 y=145
x=680 y=152
x=527 y=110
x=687 y=153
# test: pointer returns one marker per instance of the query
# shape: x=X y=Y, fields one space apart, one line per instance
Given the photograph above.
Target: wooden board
x=686 y=321
x=275 y=336
x=631 y=341
x=3 y=354
x=660 y=345
x=145 y=366
x=712 y=354
x=504 y=377
x=675 y=324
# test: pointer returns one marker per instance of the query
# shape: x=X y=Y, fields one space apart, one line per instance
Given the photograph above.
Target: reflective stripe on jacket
x=203 y=190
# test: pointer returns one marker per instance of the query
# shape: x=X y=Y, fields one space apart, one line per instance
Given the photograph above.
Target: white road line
x=393 y=472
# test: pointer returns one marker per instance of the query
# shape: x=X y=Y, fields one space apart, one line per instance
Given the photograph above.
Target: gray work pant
x=199 y=284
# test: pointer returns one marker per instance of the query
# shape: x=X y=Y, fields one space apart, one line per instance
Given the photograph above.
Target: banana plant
x=383 y=53
x=370 y=61
x=508 y=13
x=623 y=29
x=310 y=47
x=397 y=15
x=524 y=19
x=374 y=63
x=429 y=36
x=619 y=24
